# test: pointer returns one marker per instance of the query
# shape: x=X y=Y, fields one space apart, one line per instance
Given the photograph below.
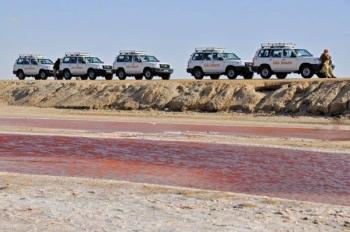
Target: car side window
x=137 y=59
x=81 y=60
x=197 y=56
x=73 y=60
x=289 y=53
x=33 y=62
x=207 y=56
x=264 y=53
x=218 y=56
x=277 y=53
x=121 y=58
x=66 y=60
x=20 y=61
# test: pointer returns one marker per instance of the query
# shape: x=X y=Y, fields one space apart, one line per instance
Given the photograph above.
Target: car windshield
x=145 y=58
x=45 y=61
x=230 y=56
x=93 y=60
x=303 y=53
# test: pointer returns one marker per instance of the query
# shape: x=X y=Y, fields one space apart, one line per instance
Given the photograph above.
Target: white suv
x=84 y=65
x=35 y=66
x=214 y=62
x=285 y=58
x=140 y=64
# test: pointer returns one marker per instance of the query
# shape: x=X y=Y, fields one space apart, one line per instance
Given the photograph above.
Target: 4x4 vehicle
x=85 y=66
x=285 y=58
x=35 y=66
x=214 y=62
x=140 y=64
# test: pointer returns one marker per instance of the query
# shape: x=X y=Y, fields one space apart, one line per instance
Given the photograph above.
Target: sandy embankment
x=305 y=97
x=41 y=203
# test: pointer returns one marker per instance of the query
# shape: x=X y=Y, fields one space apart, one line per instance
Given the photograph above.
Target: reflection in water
x=263 y=171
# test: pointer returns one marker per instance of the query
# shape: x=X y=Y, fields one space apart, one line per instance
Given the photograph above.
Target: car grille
x=165 y=66
x=107 y=67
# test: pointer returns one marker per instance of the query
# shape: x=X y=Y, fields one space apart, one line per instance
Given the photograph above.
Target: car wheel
x=20 y=75
x=281 y=75
x=198 y=74
x=91 y=74
x=215 y=77
x=42 y=75
x=148 y=74
x=231 y=73
x=248 y=76
x=121 y=74
x=109 y=77
x=306 y=71
x=165 y=77
x=265 y=72
x=67 y=75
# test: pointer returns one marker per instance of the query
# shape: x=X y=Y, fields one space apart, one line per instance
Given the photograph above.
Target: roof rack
x=278 y=45
x=29 y=56
x=77 y=54
x=209 y=49
x=131 y=52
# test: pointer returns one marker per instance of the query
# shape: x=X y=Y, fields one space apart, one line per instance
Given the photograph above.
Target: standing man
x=327 y=68
x=56 y=68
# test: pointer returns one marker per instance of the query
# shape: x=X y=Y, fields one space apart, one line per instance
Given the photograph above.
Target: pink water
x=301 y=175
x=336 y=133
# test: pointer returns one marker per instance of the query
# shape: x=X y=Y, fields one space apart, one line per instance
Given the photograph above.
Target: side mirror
x=83 y=62
x=220 y=58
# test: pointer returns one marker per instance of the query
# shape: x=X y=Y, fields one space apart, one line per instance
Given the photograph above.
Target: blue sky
x=171 y=29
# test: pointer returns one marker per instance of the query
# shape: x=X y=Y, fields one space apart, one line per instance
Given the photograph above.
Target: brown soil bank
x=308 y=97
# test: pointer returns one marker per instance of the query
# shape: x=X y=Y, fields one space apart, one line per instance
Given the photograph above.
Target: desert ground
x=172 y=193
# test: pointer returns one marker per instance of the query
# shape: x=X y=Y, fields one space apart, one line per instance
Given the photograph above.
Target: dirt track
x=302 y=97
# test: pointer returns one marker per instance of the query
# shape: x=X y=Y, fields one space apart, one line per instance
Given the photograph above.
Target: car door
x=128 y=64
x=73 y=66
x=208 y=63
x=25 y=66
x=33 y=68
x=81 y=67
x=218 y=63
x=276 y=60
x=197 y=60
x=289 y=60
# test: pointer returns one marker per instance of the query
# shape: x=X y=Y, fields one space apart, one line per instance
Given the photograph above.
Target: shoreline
x=39 y=202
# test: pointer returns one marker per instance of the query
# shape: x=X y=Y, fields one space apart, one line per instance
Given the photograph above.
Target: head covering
x=326 y=51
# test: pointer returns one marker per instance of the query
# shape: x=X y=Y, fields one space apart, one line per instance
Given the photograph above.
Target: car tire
x=215 y=77
x=306 y=71
x=165 y=77
x=109 y=77
x=231 y=73
x=198 y=73
x=265 y=72
x=91 y=74
x=121 y=74
x=147 y=73
x=281 y=75
x=248 y=76
x=20 y=75
x=42 y=75
x=67 y=75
